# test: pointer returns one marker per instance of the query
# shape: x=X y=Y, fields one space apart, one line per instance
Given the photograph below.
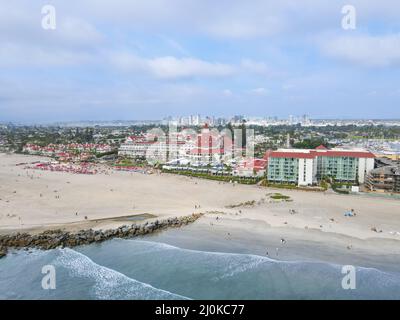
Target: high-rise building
x=306 y=167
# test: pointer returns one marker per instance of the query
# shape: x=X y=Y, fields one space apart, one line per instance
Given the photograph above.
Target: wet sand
x=253 y=237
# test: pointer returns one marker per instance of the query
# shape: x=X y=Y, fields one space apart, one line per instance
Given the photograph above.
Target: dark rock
x=3 y=252
x=52 y=239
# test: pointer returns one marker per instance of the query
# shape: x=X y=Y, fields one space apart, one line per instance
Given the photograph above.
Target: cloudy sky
x=147 y=59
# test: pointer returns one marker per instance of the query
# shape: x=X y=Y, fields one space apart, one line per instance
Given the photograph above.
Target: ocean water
x=139 y=269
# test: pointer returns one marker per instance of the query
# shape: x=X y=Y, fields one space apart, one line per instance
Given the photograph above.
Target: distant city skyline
x=218 y=120
x=150 y=59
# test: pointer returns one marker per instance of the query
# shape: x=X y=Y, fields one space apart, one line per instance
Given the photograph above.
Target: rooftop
x=320 y=151
x=387 y=170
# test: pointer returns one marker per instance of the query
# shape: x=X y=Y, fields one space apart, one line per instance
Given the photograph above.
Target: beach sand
x=33 y=200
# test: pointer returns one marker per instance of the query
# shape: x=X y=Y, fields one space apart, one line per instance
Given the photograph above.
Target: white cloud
x=171 y=67
x=126 y=61
x=287 y=86
x=366 y=50
x=259 y=91
x=233 y=19
x=19 y=55
x=175 y=45
x=166 y=40
x=76 y=32
x=235 y=27
x=227 y=93
x=25 y=43
x=256 y=67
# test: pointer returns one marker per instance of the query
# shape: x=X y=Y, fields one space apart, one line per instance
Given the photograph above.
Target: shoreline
x=248 y=237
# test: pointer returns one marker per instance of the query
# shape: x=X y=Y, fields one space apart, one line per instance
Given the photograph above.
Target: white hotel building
x=208 y=147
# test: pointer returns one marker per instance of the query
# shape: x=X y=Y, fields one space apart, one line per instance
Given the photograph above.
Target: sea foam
x=108 y=283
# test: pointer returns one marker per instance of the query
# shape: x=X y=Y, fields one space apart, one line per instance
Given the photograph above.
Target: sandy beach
x=32 y=200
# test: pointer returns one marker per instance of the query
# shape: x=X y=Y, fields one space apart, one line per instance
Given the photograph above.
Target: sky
x=148 y=59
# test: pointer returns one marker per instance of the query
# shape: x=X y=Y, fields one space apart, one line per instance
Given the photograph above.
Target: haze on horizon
x=155 y=58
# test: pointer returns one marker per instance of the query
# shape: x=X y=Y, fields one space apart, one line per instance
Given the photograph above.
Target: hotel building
x=140 y=147
x=308 y=167
x=207 y=147
x=210 y=147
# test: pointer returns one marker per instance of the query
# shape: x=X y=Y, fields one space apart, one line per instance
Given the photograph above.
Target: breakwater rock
x=52 y=239
x=3 y=252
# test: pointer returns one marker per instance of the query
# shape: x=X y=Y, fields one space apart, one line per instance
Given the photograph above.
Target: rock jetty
x=52 y=239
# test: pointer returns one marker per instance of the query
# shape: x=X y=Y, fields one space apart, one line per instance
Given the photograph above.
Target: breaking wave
x=108 y=283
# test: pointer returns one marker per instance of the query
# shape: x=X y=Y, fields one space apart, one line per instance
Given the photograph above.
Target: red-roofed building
x=307 y=167
x=251 y=168
x=68 y=152
x=207 y=147
x=210 y=147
